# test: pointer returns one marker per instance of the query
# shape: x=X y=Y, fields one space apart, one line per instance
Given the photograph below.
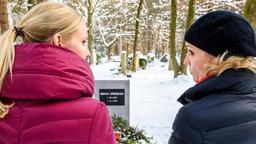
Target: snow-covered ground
x=153 y=95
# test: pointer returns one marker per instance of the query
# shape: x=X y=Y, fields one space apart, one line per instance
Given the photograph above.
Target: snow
x=153 y=96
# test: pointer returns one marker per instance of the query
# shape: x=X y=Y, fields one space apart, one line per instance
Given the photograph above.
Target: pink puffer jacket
x=52 y=89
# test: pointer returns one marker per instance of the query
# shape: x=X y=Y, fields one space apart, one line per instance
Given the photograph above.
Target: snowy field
x=153 y=95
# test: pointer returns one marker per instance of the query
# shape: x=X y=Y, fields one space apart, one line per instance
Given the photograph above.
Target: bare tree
x=149 y=37
x=250 y=12
x=3 y=16
x=205 y=6
x=136 y=35
x=90 y=11
x=172 y=37
x=90 y=27
x=108 y=45
x=18 y=9
x=190 y=18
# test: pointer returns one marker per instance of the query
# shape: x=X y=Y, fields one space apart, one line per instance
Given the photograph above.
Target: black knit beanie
x=221 y=31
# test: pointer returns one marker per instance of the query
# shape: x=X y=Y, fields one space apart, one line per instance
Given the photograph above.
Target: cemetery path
x=153 y=98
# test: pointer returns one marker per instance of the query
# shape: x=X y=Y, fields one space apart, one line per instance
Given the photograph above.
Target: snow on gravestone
x=116 y=95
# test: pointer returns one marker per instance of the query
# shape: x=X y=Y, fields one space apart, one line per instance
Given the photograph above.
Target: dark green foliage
x=142 y=63
x=164 y=59
x=150 y=59
x=130 y=135
x=129 y=62
x=98 y=58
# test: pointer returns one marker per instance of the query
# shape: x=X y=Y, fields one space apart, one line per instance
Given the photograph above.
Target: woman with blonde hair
x=47 y=84
x=221 y=107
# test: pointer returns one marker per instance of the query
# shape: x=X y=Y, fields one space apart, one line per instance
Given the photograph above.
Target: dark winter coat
x=52 y=89
x=219 y=110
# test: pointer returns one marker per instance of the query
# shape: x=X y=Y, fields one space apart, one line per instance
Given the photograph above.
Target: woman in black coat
x=221 y=107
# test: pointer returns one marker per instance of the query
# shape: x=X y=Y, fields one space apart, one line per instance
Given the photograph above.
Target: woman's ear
x=57 y=40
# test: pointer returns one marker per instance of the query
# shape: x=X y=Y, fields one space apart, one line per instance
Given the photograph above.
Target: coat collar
x=241 y=81
x=43 y=71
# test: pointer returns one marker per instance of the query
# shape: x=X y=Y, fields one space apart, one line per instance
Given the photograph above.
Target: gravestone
x=116 y=95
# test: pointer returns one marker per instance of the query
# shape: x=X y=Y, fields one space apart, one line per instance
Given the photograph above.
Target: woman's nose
x=186 y=62
x=87 y=55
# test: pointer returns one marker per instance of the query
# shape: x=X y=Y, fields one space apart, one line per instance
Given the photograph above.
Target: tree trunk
x=90 y=27
x=109 y=53
x=109 y=48
x=150 y=34
x=136 y=36
x=3 y=16
x=127 y=49
x=250 y=12
x=172 y=46
x=190 y=18
x=157 y=42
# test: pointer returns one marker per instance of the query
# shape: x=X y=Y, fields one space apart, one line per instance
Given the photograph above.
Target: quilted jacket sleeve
x=174 y=140
x=185 y=130
x=102 y=131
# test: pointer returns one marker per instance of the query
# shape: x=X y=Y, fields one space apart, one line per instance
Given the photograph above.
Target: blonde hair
x=218 y=65
x=38 y=25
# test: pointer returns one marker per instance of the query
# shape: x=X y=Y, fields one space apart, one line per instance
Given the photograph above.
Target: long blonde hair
x=218 y=65
x=38 y=25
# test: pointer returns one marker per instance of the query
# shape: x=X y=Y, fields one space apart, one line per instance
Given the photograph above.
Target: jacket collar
x=43 y=71
x=241 y=81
